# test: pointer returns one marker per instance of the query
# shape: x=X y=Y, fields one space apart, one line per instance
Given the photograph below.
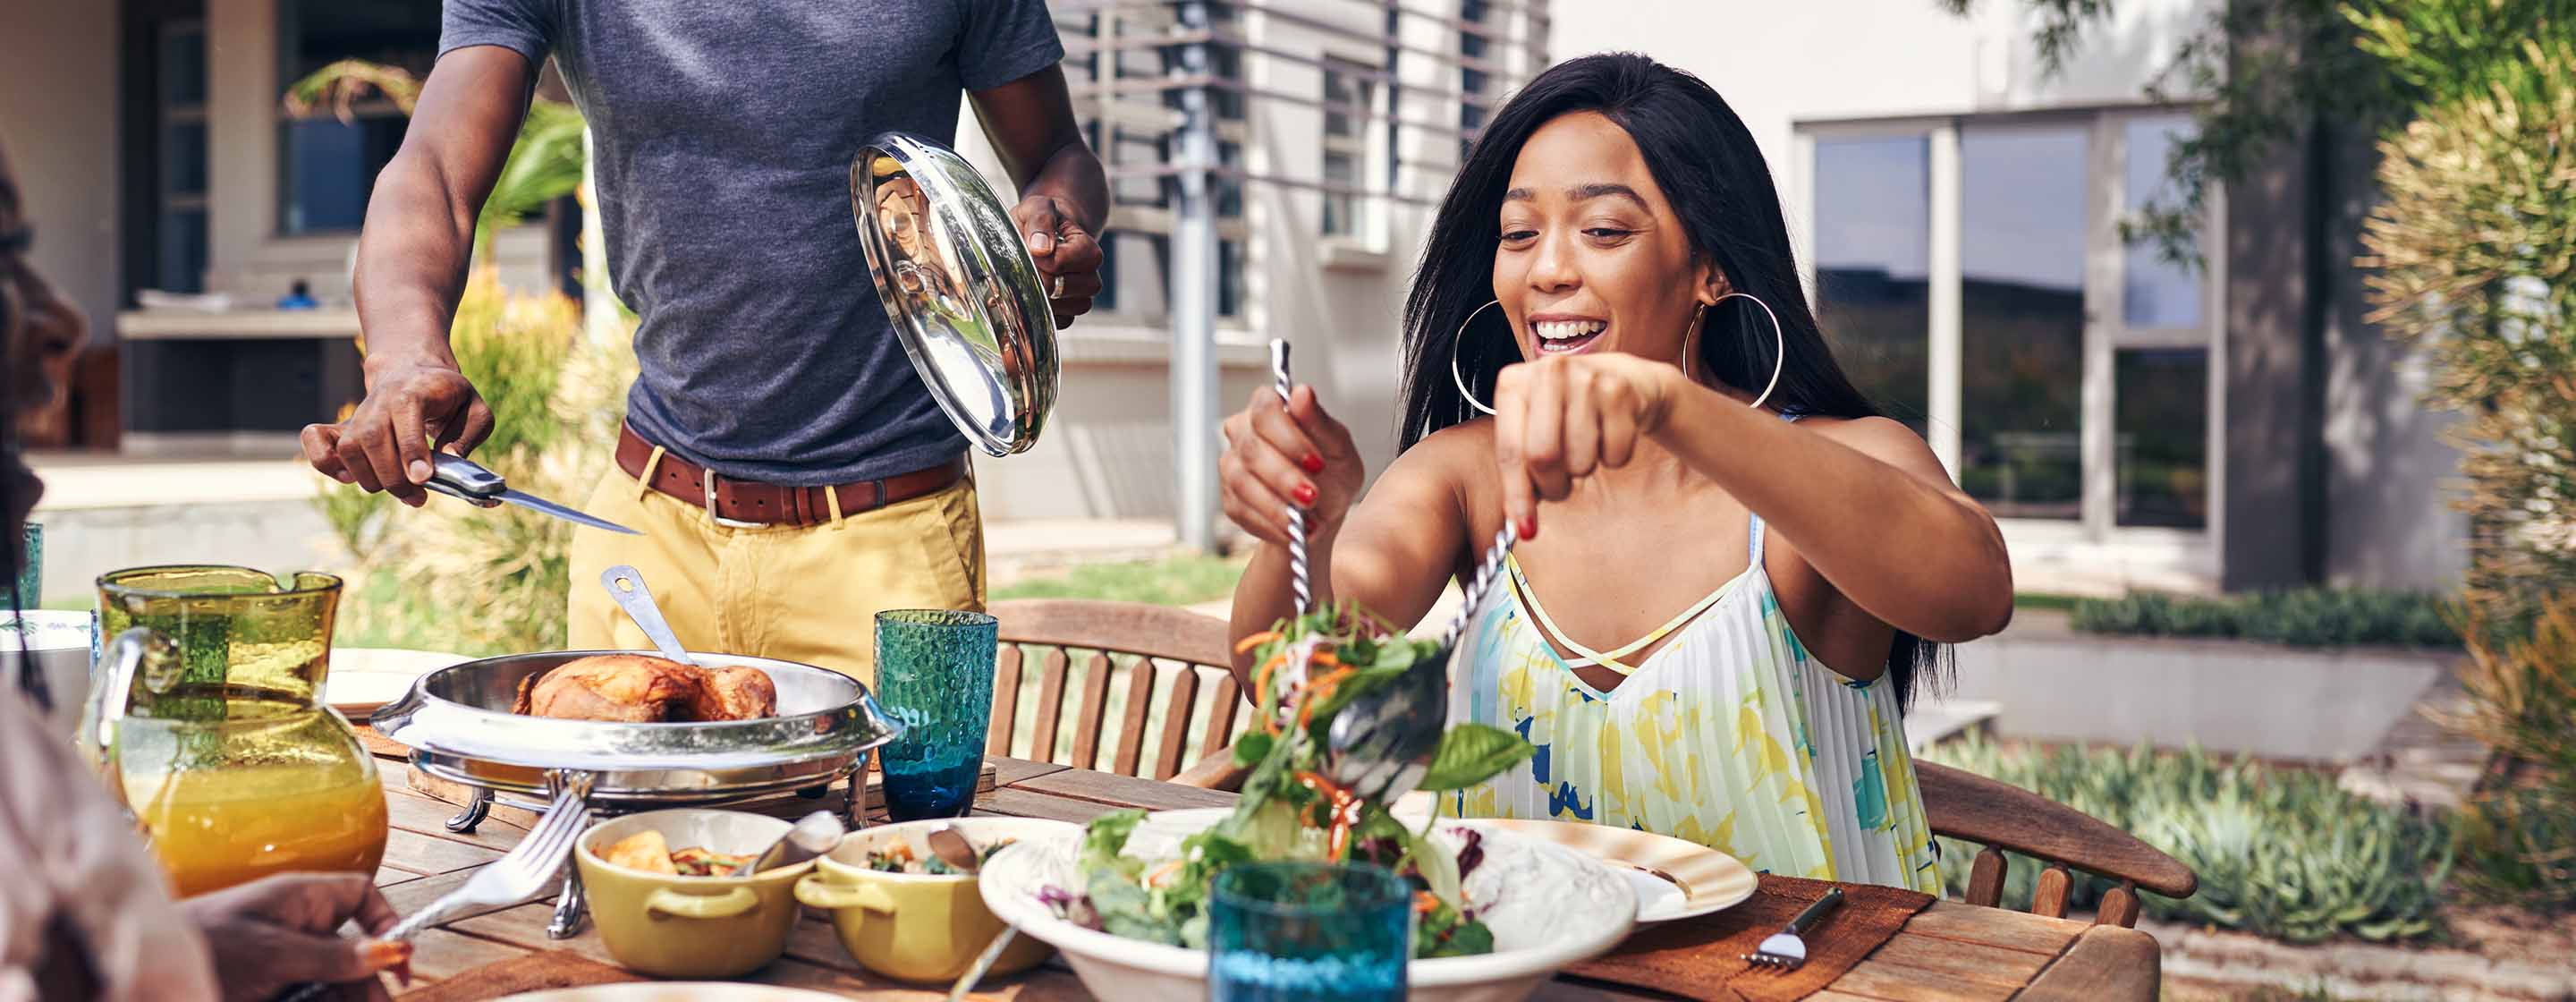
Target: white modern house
x=152 y=141
x=2130 y=420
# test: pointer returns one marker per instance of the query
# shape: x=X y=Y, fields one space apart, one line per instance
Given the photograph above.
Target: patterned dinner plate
x=1674 y=878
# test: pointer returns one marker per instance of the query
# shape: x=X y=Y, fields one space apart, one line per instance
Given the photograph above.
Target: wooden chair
x=2000 y=816
x=1960 y=805
x=1170 y=658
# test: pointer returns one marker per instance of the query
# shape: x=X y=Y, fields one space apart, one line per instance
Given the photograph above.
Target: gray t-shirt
x=723 y=136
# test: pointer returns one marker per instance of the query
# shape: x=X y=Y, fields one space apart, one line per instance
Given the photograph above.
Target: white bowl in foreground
x=1548 y=907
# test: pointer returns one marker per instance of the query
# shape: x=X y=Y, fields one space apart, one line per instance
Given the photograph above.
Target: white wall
x=1106 y=452
x=58 y=93
x=1782 y=63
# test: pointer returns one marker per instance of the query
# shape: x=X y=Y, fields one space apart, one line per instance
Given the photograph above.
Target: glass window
x=1873 y=265
x=1347 y=96
x=183 y=159
x=2155 y=292
x=183 y=67
x=182 y=258
x=318 y=33
x=1341 y=207
x=2163 y=437
x=1229 y=278
x=2021 y=261
x=331 y=166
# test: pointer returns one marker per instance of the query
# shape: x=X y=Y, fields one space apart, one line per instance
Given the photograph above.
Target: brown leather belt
x=756 y=503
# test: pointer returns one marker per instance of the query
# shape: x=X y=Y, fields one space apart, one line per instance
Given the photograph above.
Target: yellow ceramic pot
x=919 y=927
x=691 y=927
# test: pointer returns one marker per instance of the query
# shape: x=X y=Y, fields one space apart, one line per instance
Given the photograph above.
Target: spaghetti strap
x=1608 y=659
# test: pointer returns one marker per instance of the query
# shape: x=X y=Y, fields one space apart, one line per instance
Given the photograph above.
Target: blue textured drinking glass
x=1290 y=932
x=935 y=673
x=31 y=573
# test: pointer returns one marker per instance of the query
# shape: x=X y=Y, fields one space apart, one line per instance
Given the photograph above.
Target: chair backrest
x=1151 y=686
x=2000 y=816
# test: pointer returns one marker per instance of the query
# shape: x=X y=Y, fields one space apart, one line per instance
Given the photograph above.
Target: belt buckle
x=709 y=487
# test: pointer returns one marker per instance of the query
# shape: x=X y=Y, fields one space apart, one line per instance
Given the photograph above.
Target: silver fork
x=1785 y=949
x=513 y=878
x=1383 y=741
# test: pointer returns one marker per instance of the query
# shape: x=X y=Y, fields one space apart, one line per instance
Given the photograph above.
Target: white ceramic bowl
x=1548 y=907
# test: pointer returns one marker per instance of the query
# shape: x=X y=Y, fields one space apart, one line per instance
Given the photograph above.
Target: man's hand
x=1068 y=256
x=410 y=408
x=281 y=931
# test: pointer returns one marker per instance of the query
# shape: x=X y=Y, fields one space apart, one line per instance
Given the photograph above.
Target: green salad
x=1291 y=809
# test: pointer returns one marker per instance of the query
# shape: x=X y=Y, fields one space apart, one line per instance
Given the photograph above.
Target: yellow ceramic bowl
x=919 y=927
x=690 y=927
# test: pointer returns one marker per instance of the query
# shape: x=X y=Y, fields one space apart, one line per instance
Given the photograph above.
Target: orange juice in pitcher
x=279 y=811
x=209 y=721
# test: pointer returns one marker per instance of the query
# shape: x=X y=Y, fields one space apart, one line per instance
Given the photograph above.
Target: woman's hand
x=277 y=932
x=1277 y=456
x=1562 y=417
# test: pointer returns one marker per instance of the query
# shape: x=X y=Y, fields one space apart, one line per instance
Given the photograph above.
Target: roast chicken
x=641 y=689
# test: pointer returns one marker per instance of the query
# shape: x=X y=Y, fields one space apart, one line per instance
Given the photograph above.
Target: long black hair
x=1712 y=172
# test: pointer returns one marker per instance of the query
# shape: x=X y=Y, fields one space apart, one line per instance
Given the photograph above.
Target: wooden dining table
x=1948 y=951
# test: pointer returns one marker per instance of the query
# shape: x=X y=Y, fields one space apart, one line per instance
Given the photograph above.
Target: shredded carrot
x=1424 y=903
x=1262 y=677
x=1255 y=640
x=1162 y=873
x=1316 y=690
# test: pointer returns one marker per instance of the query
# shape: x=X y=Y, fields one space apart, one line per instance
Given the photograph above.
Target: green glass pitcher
x=209 y=720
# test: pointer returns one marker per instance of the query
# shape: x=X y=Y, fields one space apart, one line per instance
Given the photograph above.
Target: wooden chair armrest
x=1215 y=772
x=1966 y=806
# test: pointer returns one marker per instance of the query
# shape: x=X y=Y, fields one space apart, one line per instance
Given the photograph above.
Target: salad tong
x=1381 y=744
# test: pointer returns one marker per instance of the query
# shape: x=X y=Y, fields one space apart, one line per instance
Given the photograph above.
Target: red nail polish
x=1313 y=463
x=1529 y=529
x=1306 y=494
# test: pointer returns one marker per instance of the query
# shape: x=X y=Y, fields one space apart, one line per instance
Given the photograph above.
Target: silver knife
x=457 y=476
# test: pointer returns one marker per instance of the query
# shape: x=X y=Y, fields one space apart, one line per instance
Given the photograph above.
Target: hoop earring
x=1779 y=348
x=1458 y=377
x=1779 y=343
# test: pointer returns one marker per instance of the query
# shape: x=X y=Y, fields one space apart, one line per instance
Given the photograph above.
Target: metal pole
x=1194 y=301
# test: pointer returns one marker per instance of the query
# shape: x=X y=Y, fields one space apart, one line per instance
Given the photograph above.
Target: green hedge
x=2307 y=617
x=2280 y=852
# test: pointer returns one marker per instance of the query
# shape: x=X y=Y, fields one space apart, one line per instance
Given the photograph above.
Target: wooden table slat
x=1114 y=791
x=2106 y=962
x=2003 y=968
x=415 y=851
x=1968 y=923
x=438 y=954
x=1949 y=951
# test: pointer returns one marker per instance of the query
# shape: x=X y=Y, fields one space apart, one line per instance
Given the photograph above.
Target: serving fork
x=515 y=877
x=1786 y=950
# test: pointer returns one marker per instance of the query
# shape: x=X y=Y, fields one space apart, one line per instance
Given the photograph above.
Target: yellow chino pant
x=796 y=594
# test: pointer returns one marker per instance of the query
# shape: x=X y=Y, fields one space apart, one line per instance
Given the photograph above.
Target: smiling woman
x=1746 y=570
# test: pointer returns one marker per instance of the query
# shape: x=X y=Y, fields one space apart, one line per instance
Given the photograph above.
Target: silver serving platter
x=957 y=280
x=458 y=723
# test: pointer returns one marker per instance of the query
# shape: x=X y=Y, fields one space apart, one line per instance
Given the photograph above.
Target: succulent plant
x=2280 y=852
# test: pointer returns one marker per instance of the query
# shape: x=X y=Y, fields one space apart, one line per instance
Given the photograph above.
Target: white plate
x=364 y=678
x=1548 y=907
x=1674 y=878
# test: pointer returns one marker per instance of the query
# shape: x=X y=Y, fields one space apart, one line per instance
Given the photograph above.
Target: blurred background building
x=2132 y=420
